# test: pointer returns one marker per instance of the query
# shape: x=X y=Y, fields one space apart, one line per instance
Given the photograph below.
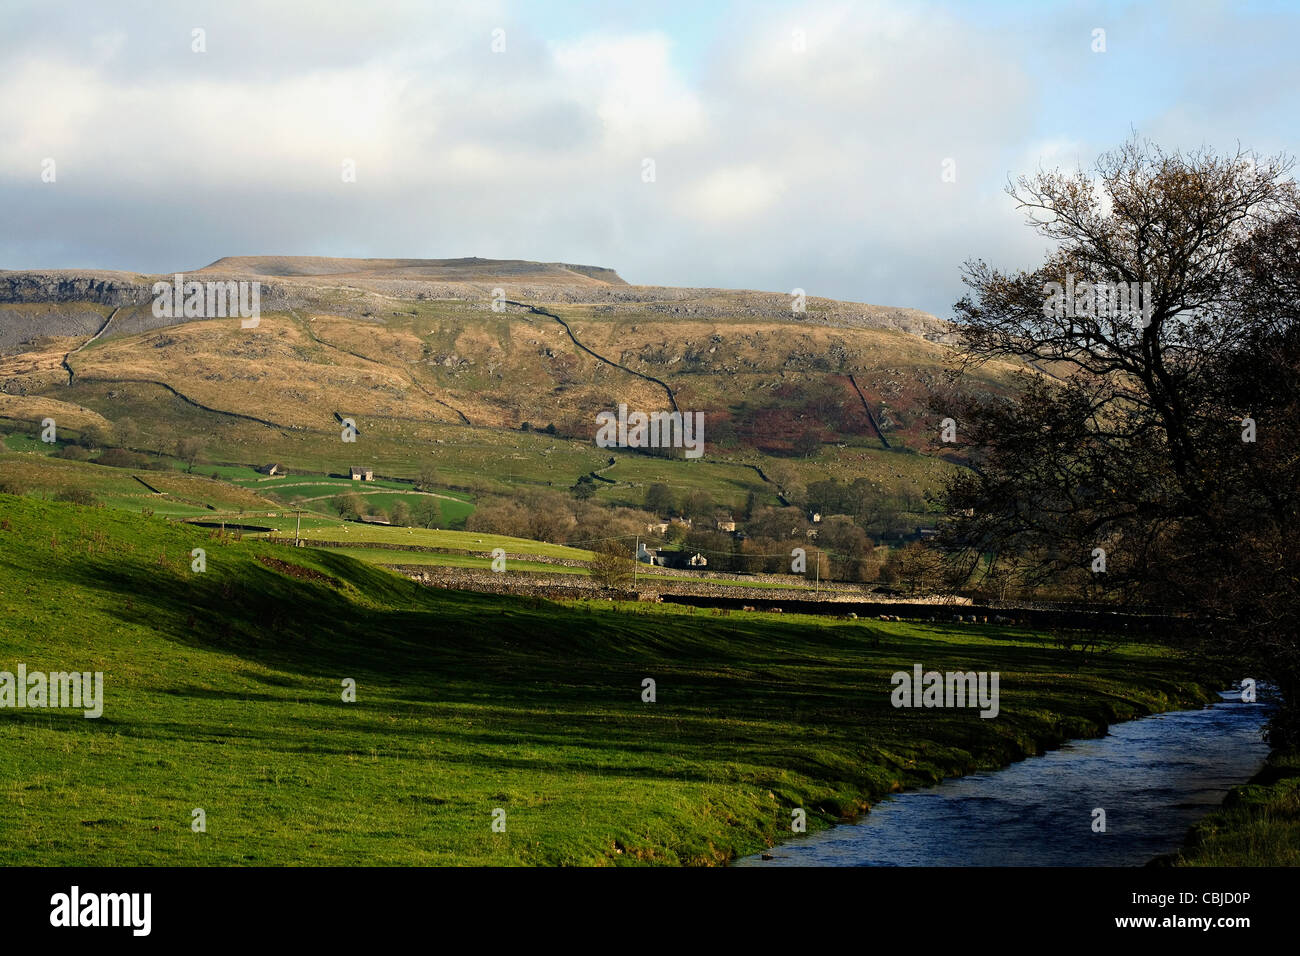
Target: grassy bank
x=1258 y=825
x=223 y=692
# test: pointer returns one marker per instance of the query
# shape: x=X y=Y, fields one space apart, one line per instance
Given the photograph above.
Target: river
x=1154 y=777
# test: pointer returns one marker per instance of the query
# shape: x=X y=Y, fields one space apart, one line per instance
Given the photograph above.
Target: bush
x=77 y=496
x=10 y=485
x=92 y=437
x=611 y=565
x=73 y=453
x=659 y=500
x=120 y=458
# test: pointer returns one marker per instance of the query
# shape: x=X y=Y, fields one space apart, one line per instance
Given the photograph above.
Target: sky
x=751 y=145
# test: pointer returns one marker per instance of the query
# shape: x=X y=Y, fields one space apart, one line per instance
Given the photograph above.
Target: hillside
x=497 y=395
x=469 y=270
x=223 y=692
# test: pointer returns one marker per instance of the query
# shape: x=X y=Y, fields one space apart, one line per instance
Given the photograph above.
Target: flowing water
x=1154 y=777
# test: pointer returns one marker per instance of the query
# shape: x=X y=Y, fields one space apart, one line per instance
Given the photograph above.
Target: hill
x=490 y=372
x=470 y=270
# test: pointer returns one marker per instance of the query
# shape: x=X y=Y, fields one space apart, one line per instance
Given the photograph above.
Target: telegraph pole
x=636 y=561
x=297 y=531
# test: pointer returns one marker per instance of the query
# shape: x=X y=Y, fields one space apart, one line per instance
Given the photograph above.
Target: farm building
x=275 y=468
x=653 y=556
x=665 y=558
x=361 y=474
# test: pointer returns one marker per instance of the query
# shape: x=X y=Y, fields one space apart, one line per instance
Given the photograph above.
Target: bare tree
x=188 y=450
x=1146 y=451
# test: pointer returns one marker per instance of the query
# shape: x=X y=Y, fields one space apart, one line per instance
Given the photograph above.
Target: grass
x=440 y=538
x=223 y=692
x=1258 y=825
x=181 y=495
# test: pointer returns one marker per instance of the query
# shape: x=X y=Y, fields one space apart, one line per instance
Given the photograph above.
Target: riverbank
x=1258 y=824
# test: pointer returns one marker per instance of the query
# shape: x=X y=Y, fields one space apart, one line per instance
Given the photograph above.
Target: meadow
x=224 y=691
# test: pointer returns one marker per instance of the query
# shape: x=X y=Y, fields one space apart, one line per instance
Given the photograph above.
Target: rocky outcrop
x=101 y=288
x=371 y=289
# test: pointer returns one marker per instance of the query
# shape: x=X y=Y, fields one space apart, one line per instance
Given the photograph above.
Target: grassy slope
x=223 y=692
x=1258 y=825
x=182 y=495
x=441 y=538
x=399 y=378
x=235 y=490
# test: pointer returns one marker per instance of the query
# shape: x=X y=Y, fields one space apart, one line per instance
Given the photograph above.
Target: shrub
x=611 y=564
x=77 y=496
x=119 y=458
x=92 y=437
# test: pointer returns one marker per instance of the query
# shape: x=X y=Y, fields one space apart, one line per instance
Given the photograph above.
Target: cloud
x=629 y=82
x=783 y=158
x=737 y=192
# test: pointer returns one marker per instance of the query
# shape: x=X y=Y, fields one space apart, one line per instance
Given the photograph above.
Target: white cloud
x=736 y=192
x=630 y=83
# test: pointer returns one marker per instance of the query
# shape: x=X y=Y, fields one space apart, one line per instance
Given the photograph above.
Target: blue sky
x=775 y=167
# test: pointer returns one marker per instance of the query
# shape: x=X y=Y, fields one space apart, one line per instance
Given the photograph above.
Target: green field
x=425 y=559
x=223 y=692
x=439 y=538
